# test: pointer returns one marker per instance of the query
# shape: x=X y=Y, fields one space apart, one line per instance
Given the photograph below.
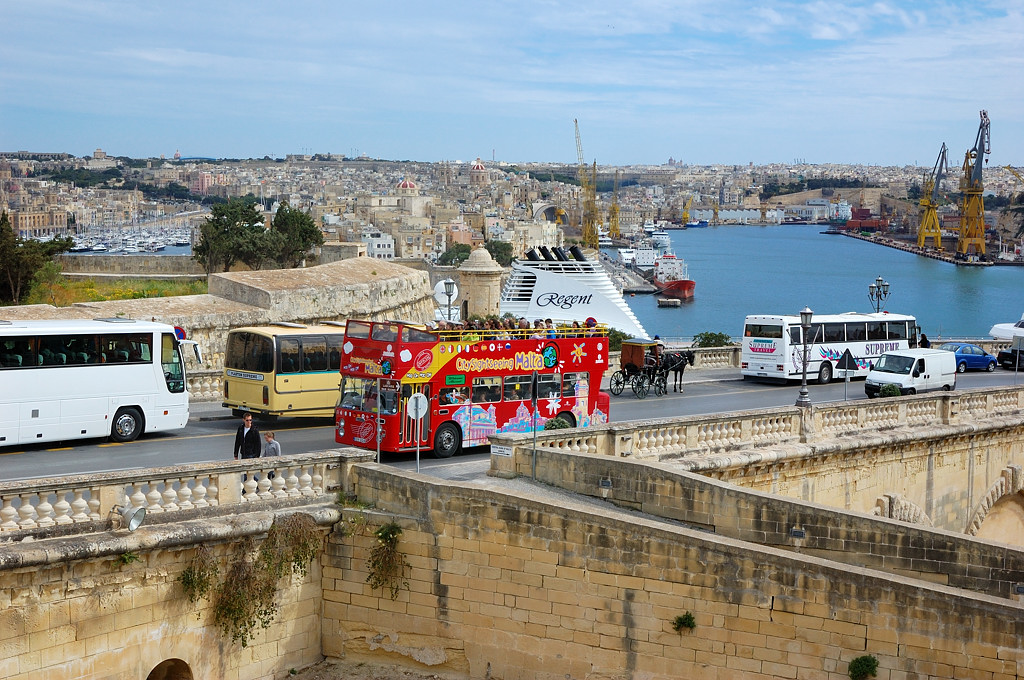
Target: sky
x=719 y=81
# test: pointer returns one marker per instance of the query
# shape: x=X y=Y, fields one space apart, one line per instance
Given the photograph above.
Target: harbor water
x=780 y=269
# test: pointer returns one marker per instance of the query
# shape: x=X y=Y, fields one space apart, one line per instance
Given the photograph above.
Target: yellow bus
x=283 y=369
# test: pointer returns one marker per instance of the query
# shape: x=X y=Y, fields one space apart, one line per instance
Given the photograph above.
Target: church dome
x=478 y=165
x=407 y=184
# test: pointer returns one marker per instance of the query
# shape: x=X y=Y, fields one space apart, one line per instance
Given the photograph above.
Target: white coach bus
x=773 y=344
x=73 y=379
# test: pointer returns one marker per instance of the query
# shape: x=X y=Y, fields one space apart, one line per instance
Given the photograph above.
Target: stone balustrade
x=206 y=385
x=34 y=505
x=699 y=435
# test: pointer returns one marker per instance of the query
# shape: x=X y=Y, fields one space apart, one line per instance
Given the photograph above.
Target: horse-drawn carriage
x=644 y=367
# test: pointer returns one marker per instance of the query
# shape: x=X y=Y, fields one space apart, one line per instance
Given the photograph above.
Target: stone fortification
x=135 y=266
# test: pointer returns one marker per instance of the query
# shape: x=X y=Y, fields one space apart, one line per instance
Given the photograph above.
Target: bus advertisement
x=284 y=369
x=773 y=344
x=477 y=382
x=76 y=379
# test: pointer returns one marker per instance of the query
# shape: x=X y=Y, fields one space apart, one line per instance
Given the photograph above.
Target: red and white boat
x=671 y=277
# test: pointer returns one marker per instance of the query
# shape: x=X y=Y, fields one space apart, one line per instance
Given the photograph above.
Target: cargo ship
x=671 y=277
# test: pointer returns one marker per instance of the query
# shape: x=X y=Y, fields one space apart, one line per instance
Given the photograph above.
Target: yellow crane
x=972 y=208
x=929 y=226
x=588 y=195
x=686 y=210
x=613 y=211
x=1015 y=173
x=714 y=208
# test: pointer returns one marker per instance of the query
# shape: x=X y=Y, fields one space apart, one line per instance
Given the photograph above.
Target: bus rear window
x=762 y=330
x=249 y=352
x=358 y=330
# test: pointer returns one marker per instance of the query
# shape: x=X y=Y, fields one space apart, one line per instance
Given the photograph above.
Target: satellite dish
x=441 y=296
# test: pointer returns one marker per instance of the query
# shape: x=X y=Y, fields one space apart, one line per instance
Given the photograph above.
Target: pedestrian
x=925 y=342
x=271 y=447
x=247 y=439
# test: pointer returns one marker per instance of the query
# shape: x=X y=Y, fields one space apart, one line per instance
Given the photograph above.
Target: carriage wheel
x=617 y=382
x=660 y=385
x=641 y=385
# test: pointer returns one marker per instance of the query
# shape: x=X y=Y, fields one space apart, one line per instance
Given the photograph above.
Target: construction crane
x=613 y=211
x=972 y=209
x=1015 y=173
x=686 y=211
x=929 y=226
x=588 y=195
x=714 y=217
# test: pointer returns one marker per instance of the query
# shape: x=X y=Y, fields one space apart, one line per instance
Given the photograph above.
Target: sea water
x=780 y=269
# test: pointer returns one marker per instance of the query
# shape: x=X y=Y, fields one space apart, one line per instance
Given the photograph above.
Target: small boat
x=669 y=302
x=696 y=224
x=661 y=239
x=605 y=242
x=1007 y=331
x=671 y=277
x=99 y=248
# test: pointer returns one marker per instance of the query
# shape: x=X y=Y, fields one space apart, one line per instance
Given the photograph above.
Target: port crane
x=588 y=195
x=929 y=226
x=972 y=209
x=1015 y=173
x=686 y=211
x=613 y=211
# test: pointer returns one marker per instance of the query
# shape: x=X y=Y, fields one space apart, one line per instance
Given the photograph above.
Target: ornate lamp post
x=805 y=324
x=878 y=292
x=449 y=290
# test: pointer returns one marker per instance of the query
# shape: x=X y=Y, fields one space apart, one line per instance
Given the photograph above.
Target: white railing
x=40 y=504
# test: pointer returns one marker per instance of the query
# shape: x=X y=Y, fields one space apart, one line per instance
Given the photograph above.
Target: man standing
x=247 y=439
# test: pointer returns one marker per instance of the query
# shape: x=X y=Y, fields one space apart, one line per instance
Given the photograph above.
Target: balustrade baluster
x=27 y=512
x=306 y=482
x=293 y=482
x=7 y=515
x=44 y=512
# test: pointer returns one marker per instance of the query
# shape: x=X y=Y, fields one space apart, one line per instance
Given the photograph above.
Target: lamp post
x=804 y=399
x=878 y=292
x=449 y=290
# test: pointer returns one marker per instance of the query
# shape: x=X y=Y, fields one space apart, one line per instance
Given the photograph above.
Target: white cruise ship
x=566 y=287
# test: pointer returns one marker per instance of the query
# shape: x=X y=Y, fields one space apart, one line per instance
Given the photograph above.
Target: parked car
x=970 y=356
x=1006 y=359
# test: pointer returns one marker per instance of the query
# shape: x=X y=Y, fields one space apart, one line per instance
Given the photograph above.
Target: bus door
x=407 y=434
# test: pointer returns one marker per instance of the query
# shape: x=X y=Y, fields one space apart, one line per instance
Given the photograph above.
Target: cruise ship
x=566 y=287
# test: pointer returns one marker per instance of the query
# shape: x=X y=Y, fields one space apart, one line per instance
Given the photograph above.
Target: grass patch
x=65 y=292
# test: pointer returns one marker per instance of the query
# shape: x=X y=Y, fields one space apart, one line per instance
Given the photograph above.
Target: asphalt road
x=209 y=435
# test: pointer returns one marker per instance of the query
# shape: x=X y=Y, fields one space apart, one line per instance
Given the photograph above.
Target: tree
x=294 y=233
x=455 y=255
x=233 y=230
x=501 y=251
x=20 y=259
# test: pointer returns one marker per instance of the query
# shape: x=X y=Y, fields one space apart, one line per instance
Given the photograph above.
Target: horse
x=676 y=363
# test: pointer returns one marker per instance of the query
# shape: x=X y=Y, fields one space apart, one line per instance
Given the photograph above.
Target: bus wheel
x=127 y=425
x=447 y=440
x=825 y=374
x=567 y=417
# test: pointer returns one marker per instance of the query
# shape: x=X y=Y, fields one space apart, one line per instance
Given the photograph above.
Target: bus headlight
x=341 y=427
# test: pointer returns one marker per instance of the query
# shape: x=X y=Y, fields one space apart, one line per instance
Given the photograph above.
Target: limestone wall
x=138 y=266
x=110 y=606
x=517 y=586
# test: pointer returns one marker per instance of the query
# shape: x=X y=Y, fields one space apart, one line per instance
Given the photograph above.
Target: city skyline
x=855 y=82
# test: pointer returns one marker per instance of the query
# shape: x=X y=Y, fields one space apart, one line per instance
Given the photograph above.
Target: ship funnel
x=577 y=252
x=547 y=254
x=560 y=254
x=532 y=255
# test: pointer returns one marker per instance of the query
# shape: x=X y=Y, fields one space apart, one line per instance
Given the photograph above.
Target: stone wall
x=517 y=585
x=135 y=266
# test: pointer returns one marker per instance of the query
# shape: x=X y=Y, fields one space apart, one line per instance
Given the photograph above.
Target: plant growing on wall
x=245 y=599
x=863 y=667
x=386 y=565
x=197 y=580
x=291 y=546
x=684 y=621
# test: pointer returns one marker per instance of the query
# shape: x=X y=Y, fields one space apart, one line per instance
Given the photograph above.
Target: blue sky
x=720 y=81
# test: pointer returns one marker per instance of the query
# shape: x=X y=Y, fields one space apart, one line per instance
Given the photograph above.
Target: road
x=209 y=435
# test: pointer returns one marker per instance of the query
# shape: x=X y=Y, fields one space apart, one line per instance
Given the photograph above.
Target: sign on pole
x=846 y=364
x=417 y=407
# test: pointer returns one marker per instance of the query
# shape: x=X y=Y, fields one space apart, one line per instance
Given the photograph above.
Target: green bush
x=556 y=424
x=709 y=339
x=863 y=667
x=889 y=390
x=684 y=621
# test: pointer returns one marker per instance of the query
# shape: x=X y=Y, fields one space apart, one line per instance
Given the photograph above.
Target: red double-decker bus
x=477 y=383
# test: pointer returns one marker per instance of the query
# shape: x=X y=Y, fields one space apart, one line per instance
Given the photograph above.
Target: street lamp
x=878 y=292
x=449 y=290
x=805 y=323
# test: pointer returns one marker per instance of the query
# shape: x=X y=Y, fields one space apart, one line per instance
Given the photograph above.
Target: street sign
x=847 y=362
x=417 y=406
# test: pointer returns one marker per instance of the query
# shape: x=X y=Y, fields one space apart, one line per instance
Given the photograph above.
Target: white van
x=913 y=371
